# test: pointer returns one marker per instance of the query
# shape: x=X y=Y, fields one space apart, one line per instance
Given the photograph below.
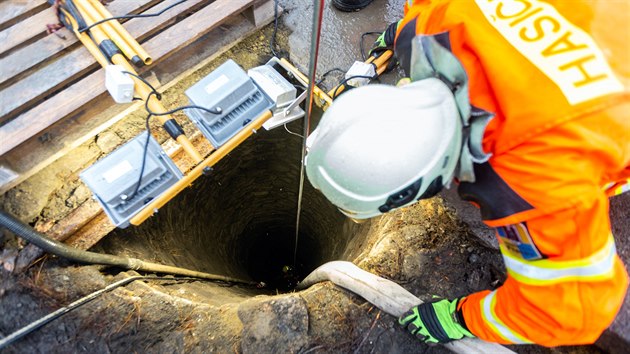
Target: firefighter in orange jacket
x=523 y=103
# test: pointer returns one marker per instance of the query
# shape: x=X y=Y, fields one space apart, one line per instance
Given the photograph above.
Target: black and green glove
x=386 y=40
x=435 y=322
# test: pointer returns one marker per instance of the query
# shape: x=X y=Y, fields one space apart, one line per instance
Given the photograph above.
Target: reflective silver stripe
x=487 y=305
x=598 y=266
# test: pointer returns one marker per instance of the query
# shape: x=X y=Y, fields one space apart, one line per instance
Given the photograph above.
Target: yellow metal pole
x=132 y=42
x=87 y=10
x=87 y=42
x=323 y=96
x=142 y=89
x=379 y=62
x=383 y=58
x=189 y=178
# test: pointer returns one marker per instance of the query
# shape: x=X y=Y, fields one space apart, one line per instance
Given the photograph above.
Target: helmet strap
x=472 y=150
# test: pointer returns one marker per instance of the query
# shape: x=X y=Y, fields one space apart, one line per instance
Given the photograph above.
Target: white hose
x=389 y=297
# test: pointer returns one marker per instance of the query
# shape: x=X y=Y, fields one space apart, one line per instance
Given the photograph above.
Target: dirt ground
x=425 y=248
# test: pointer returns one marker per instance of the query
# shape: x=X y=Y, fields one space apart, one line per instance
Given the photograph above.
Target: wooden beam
x=29 y=28
x=260 y=11
x=193 y=27
x=26 y=92
x=11 y=11
x=29 y=90
x=20 y=60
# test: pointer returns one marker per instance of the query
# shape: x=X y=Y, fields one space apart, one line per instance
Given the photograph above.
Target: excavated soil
x=238 y=221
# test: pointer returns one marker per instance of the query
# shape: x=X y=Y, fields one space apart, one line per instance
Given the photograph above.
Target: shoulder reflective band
x=616 y=188
x=487 y=309
x=598 y=266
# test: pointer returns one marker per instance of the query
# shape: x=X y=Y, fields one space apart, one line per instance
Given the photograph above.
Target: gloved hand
x=386 y=40
x=435 y=322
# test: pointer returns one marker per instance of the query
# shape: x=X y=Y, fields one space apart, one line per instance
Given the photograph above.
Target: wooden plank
x=60 y=230
x=59 y=139
x=12 y=11
x=29 y=28
x=75 y=97
x=21 y=60
x=72 y=66
x=91 y=233
x=260 y=11
x=25 y=92
x=193 y=27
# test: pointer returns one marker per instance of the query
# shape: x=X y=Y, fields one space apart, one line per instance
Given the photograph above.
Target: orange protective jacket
x=555 y=75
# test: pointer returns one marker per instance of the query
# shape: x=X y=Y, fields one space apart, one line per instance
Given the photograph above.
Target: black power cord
x=144 y=157
x=144 y=81
x=158 y=96
x=148 y=129
x=86 y=28
x=272 y=40
x=324 y=75
x=345 y=81
x=361 y=42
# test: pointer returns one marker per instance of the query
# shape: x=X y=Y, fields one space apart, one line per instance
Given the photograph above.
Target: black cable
x=272 y=40
x=148 y=126
x=209 y=110
x=81 y=30
x=60 y=249
x=148 y=129
x=157 y=94
x=345 y=81
x=361 y=45
x=324 y=75
x=144 y=155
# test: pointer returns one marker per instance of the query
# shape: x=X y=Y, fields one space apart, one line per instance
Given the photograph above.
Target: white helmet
x=382 y=147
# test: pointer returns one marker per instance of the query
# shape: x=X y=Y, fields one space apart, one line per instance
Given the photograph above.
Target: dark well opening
x=240 y=220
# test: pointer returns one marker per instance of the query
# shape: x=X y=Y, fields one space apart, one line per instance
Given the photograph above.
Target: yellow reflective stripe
x=622 y=188
x=487 y=306
x=619 y=187
x=598 y=266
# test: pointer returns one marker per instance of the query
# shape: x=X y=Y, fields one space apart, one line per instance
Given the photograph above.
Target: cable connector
x=119 y=84
x=360 y=68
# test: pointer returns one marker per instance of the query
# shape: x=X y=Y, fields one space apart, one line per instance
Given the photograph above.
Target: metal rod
x=318 y=14
x=132 y=42
x=85 y=7
x=85 y=39
x=155 y=105
x=31 y=327
x=323 y=99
